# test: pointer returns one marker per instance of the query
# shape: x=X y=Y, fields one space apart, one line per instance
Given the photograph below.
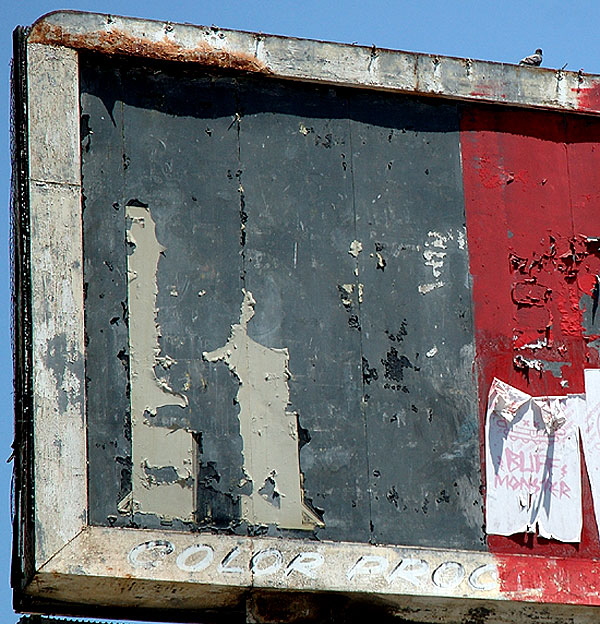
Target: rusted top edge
x=117 y=41
x=60 y=14
x=325 y=62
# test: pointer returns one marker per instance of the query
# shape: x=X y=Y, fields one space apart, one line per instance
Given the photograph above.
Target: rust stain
x=119 y=42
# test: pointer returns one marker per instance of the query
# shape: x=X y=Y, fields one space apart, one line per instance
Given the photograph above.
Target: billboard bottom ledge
x=183 y=572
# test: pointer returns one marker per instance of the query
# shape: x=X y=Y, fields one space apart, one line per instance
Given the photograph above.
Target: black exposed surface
x=264 y=185
x=23 y=511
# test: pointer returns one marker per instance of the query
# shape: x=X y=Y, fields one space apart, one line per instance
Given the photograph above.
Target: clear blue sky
x=479 y=29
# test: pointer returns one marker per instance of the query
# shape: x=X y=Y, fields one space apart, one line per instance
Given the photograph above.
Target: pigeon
x=535 y=59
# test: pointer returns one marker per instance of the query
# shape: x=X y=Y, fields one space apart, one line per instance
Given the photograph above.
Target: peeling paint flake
x=427 y=288
x=154 y=448
x=346 y=291
x=269 y=432
x=355 y=248
x=434 y=259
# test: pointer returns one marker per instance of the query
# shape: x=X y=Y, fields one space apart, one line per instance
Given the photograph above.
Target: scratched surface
x=342 y=214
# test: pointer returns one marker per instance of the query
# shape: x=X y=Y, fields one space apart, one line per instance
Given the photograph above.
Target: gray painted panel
x=182 y=161
x=265 y=186
x=105 y=275
x=416 y=323
x=295 y=145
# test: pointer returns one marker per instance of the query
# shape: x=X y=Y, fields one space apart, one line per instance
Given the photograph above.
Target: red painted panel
x=588 y=98
x=532 y=198
x=570 y=581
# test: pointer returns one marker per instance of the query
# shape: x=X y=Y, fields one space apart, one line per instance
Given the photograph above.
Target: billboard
x=301 y=328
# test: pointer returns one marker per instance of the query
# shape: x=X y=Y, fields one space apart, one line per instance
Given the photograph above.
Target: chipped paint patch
x=155 y=450
x=435 y=253
x=346 y=291
x=355 y=248
x=525 y=363
x=434 y=259
x=438 y=240
x=381 y=261
x=427 y=288
x=269 y=432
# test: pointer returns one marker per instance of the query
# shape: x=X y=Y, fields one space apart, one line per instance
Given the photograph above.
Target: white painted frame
x=60 y=462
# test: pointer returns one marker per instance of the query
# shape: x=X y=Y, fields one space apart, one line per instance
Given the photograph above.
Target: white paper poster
x=533 y=465
x=590 y=435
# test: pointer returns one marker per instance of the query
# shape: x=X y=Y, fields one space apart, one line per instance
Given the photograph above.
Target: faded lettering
x=225 y=566
x=477 y=578
x=448 y=575
x=355 y=570
x=195 y=558
x=266 y=562
x=368 y=565
x=149 y=555
x=305 y=563
x=412 y=570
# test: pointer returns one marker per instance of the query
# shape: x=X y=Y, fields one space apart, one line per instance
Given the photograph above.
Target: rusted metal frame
x=329 y=63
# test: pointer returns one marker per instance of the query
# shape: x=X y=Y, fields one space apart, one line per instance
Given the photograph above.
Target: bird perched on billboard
x=534 y=59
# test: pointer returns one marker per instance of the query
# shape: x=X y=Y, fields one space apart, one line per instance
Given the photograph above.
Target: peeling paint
x=534 y=261
x=345 y=291
x=438 y=240
x=555 y=368
x=373 y=566
x=355 y=248
x=155 y=450
x=304 y=130
x=427 y=288
x=432 y=352
x=434 y=259
x=381 y=261
x=269 y=432
x=434 y=254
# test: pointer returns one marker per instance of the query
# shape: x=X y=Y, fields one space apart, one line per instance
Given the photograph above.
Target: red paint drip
x=532 y=201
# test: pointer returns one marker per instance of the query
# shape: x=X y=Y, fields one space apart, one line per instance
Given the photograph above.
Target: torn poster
x=533 y=463
x=590 y=435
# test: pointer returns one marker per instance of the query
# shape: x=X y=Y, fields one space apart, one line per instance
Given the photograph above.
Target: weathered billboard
x=302 y=327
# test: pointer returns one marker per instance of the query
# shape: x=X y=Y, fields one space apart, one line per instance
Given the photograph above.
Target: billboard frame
x=58 y=557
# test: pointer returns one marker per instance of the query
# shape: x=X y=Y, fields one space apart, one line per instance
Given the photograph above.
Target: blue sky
x=479 y=29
